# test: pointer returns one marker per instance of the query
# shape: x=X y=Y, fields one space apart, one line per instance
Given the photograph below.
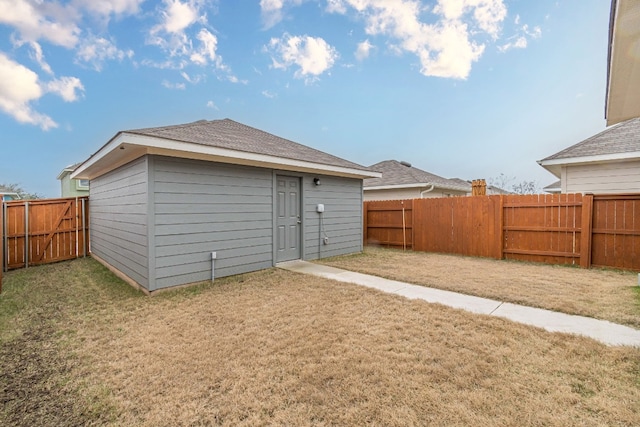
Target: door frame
x=300 y=177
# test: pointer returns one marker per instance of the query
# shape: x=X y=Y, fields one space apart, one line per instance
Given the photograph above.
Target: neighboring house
x=179 y=204
x=400 y=180
x=606 y=163
x=6 y=194
x=72 y=187
x=554 y=188
x=622 y=101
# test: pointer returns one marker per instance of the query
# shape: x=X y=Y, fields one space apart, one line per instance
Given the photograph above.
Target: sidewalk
x=601 y=330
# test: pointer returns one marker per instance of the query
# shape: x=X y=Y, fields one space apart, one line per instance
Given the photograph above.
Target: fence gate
x=43 y=231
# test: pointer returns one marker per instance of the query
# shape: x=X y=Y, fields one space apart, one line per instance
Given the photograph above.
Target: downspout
x=427 y=191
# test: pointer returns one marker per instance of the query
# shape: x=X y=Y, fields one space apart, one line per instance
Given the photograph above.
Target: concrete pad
x=552 y=321
x=601 y=330
x=451 y=299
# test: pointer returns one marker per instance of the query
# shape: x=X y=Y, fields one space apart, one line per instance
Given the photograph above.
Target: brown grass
x=277 y=348
x=602 y=294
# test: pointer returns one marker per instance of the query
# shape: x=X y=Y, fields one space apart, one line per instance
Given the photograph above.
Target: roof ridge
x=227 y=133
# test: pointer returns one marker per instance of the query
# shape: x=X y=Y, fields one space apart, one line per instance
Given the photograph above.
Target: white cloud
x=445 y=43
x=268 y=94
x=178 y=15
x=61 y=23
x=312 y=55
x=105 y=8
x=191 y=79
x=363 y=50
x=96 y=50
x=38 y=56
x=20 y=86
x=272 y=10
x=68 y=88
x=211 y=104
x=35 y=20
x=169 y=85
x=175 y=36
x=519 y=43
x=336 y=6
x=521 y=40
x=207 y=50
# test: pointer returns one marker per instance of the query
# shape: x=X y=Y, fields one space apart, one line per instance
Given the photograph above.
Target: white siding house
x=177 y=204
x=401 y=180
x=606 y=163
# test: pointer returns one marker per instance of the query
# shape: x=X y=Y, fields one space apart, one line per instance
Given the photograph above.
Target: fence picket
x=573 y=229
x=43 y=231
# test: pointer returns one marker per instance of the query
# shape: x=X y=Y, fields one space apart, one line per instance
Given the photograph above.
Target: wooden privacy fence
x=601 y=230
x=42 y=231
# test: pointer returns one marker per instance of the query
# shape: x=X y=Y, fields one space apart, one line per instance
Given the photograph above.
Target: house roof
x=620 y=142
x=555 y=187
x=223 y=141
x=4 y=190
x=68 y=170
x=397 y=174
x=622 y=100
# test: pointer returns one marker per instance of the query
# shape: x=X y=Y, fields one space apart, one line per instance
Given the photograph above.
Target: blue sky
x=460 y=88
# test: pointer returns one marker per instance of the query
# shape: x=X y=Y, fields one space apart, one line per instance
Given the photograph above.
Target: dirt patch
x=32 y=378
x=602 y=294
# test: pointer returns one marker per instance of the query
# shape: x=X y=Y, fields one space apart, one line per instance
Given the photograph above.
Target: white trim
x=79 y=185
x=125 y=147
x=632 y=155
x=417 y=185
x=397 y=186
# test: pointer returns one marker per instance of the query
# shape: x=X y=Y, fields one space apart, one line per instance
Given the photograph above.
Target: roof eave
x=126 y=147
x=415 y=185
x=397 y=186
x=554 y=165
x=622 y=98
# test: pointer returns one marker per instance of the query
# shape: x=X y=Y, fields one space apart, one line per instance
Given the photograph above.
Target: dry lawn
x=277 y=348
x=603 y=294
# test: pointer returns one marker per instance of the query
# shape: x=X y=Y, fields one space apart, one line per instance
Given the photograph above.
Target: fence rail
x=585 y=230
x=43 y=231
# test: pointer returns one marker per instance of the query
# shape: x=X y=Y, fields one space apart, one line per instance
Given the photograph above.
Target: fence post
x=1 y=242
x=84 y=230
x=501 y=227
x=586 y=231
x=365 y=225
x=26 y=234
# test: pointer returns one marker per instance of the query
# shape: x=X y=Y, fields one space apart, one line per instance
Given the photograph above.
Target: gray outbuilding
x=181 y=204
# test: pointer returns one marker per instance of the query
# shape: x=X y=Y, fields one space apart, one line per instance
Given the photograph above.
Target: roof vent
x=407 y=164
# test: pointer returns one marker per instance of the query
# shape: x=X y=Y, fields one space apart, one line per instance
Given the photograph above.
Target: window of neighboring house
x=82 y=184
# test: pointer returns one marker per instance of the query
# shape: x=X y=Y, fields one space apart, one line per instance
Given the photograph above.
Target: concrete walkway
x=606 y=332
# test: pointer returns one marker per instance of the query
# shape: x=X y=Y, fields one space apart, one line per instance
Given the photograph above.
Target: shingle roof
x=232 y=135
x=622 y=138
x=397 y=173
x=555 y=186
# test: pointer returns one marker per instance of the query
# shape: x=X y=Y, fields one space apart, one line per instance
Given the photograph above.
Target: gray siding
x=342 y=218
x=203 y=207
x=118 y=219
